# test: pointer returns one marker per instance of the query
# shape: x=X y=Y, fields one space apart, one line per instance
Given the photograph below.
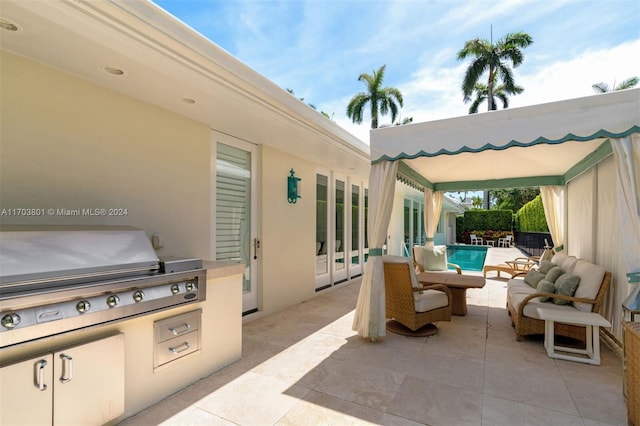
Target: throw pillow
x=545 y=286
x=545 y=266
x=533 y=278
x=553 y=274
x=435 y=258
x=566 y=284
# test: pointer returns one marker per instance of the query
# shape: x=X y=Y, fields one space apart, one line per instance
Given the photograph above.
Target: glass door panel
x=323 y=278
x=356 y=258
x=339 y=266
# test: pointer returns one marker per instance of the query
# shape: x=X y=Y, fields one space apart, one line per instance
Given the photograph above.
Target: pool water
x=469 y=258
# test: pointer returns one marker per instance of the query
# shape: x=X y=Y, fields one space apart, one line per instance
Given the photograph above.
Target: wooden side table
x=591 y=320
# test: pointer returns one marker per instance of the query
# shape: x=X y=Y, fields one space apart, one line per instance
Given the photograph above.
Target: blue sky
x=318 y=48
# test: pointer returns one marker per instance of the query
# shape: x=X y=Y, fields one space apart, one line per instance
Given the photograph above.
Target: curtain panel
x=626 y=152
x=554 y=211
x=432 y=208
x=370 y=316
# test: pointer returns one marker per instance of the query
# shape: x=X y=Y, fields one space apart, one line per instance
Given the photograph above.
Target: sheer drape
x=553 y=202
x=370 y=316
x=432 y=208
x=626 y=152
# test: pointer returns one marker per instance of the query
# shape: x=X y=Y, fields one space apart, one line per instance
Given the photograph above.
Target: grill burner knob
x=175 y=289
x=10 y=320
x=190 y=286
x=83 y=306
x=138 y=295
x=113 y=300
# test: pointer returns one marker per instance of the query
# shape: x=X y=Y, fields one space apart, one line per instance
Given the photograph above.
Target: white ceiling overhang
x=547 y=144
x=165 y=61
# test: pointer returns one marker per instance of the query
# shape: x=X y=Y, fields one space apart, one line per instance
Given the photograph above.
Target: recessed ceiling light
x=188 y=101
x=6 y=25
x=114 y=70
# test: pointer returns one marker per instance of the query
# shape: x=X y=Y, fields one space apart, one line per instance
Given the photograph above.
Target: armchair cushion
x=407 y=260
x=429 y=300
x=435 y=258
x=566 y=284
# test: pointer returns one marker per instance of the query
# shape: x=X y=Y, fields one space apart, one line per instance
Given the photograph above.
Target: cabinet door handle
x=67 y=368
x=39 y=375
x=176 y=331
x=183 y=347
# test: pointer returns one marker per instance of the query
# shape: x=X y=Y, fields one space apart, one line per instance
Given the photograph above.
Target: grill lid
x=37 y=254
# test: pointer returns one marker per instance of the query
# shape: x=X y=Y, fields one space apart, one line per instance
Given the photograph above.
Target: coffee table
x=457 y=283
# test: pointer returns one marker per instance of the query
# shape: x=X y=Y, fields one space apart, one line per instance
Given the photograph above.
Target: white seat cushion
x=429 y=300
x=530 y=309
x=591 y=277
x=518 y=286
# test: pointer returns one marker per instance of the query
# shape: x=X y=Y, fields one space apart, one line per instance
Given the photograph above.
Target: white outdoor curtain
x=626 y=152
x=370 y=315
x=553 y=202
x=432 y=208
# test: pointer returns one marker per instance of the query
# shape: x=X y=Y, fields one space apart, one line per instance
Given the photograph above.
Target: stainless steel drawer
x=178 y=347
x=176 y=337
x=179 y=325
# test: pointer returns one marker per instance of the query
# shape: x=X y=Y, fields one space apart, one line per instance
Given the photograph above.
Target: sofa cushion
x=545 y=286
x=569 y=264
x=530 y=308
x=429 y=300
x=591 y=277
x=559 y=258
x=533 y=277
x=434 y=258
x=545 y=266
x=566 y=284
x=553 y=274
x=517 y=285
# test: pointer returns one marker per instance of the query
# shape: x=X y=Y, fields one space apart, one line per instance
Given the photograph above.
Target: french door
x=236 y=236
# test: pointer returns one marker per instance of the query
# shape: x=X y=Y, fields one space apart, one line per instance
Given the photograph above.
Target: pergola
x=546 y=145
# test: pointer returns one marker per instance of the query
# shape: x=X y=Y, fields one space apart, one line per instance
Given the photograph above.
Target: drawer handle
x=181 y=329
x=183 y=347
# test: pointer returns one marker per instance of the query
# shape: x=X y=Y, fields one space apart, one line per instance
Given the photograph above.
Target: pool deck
x=306 y=366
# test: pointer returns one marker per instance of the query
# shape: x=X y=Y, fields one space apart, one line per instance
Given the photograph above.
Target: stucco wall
x=288 y=232
x=68 y=144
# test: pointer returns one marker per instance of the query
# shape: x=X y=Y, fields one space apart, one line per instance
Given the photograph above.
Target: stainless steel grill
x=57 y=279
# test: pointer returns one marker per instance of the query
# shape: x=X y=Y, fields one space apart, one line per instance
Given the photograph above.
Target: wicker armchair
x=404 y=295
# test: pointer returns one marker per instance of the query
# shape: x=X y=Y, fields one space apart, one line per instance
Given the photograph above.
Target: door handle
x=39 y=375
x=67 y=368
x=256 y=246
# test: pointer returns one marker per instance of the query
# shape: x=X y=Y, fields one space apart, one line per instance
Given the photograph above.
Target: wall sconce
x=292 y=187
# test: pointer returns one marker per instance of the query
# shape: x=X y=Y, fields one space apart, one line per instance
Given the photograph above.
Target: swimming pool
x=469 y=258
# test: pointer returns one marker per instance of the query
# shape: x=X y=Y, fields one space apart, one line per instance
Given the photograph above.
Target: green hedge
x=530 y=218
x=491 y=224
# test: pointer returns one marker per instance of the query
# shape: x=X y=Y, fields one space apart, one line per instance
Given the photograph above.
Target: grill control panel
x=97 y=306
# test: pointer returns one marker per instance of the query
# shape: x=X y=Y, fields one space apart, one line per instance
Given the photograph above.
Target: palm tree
x=493 y=57
x=381 y=99
x=604 y=87
x=500 y=92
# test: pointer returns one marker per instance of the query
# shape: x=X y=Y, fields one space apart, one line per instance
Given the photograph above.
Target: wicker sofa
x=522 y=298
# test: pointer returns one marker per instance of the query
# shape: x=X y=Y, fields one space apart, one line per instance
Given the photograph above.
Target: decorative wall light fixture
x=292 y=187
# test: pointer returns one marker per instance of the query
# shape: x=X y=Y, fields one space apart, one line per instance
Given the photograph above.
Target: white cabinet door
x=26 y=392
x=89 y=382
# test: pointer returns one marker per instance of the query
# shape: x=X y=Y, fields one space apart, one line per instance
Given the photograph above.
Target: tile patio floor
x=305 y=366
